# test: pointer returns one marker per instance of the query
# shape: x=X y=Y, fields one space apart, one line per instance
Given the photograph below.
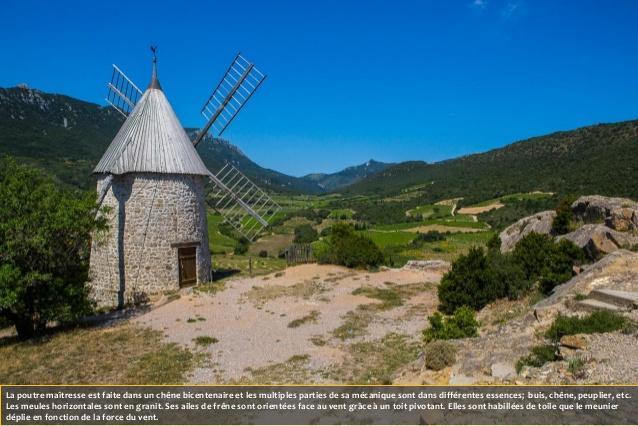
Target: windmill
x=242 y=203
x=152 y=179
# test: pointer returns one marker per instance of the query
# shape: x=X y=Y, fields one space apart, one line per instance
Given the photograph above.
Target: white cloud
x=481 y=4
x=510 y=9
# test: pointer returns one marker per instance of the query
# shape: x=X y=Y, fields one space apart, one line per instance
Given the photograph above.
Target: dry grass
x=304 y=290
x=311 y=317
x=377 y=361
x=292 y=371
x=118 y=355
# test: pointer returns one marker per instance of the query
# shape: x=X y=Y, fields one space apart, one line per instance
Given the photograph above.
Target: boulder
x=541 y=223
x=615 y=271
x=428 y=265
x=620 y=214
x=598 y=240
x=503 y=370
x=576 y=341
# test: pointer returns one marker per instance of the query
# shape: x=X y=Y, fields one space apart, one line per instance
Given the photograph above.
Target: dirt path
x=265 y=322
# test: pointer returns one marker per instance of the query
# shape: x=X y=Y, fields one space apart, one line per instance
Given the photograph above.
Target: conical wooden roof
x=152 y=140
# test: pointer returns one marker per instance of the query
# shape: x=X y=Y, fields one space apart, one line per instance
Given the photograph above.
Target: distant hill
x=66 y=137
x=599 y=159
x=334 y=181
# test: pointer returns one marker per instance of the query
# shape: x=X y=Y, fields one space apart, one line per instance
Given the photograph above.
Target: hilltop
x=596 y=159
x=335 y=181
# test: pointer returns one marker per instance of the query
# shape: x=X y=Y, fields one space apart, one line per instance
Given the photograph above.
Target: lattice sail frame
x=122 y=93
x=244 y=205
x=239 y=83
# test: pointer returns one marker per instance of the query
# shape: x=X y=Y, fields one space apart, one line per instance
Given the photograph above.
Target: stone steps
x=594 y=305
x=609 y=300
x=626 y=299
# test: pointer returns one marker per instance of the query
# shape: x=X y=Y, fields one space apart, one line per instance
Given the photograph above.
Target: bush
x=460 y=325
x=241 y=246
x=494 y=244
x=563 y=222
x=346 y=248
x=45 y=235
x=539 y=355
x=596 y=322
x=439 y=354
x=428 y=237
x=305 y=234
x=263 y=253
x=477 y=279
x=548 y=262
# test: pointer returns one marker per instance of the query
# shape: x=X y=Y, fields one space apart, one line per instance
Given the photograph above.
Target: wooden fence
x=299 y=253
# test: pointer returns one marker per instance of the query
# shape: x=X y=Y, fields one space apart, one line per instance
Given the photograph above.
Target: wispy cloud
x=510 y=9
x=480 y=4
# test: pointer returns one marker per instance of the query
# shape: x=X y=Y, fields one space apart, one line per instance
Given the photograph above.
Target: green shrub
x=205 y=340
x=548 y=262
x=564 y=220
x=538 y=356
x=428 y=237
x=595 y=322
x=494 y=244
x=305 y=234
x=439 y=354
x=241 y=246
x=460 y=325
x=45 y=237
x=346 y=248
x=477 y=279
x=263 y=253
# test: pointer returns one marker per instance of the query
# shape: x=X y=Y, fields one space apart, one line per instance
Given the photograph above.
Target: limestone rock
x=541 y=223
x=620 y=214
x=503 y=370
x=428 y=265
x=576 y=341
x=599 y=239
x=615 y=271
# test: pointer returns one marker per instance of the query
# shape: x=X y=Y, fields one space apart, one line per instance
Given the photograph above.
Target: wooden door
x=187 y=257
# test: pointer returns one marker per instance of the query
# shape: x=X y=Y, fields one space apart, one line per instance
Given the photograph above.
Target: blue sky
x=348 y=81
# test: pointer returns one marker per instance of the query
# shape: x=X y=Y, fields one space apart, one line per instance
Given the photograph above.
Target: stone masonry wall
x=150 y=215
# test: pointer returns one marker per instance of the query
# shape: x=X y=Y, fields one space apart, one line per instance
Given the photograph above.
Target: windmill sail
x=122 y=93
x=242 y=203
x=245 y=206
x=240 y=82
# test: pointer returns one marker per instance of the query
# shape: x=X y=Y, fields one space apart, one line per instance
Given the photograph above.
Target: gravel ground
x=250 y=317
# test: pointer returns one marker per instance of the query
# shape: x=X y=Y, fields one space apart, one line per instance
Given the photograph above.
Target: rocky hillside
x=590 y=160
x=348 y=176
x=607 y=228
x=66 y=137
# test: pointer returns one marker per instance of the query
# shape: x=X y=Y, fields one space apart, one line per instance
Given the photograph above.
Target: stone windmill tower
x=152 y=182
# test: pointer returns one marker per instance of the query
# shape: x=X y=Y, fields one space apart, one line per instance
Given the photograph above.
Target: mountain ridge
x=66 y=137
x=590 y=159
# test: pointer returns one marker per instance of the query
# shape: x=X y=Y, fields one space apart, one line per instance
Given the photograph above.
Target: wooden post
x=250 y=265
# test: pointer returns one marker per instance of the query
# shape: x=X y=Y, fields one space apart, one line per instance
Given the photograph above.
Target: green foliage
x=45 y=235
x=595 y=322
x=263 y=253
x=345 y=247
x=494 y=244
x=305 y=234
x=538 y=356
x=563 y=222
x=242 y=245
x=477 y=279
x=548 y=262
x=439 y=354
x=458 y=326
x=590 y=160
x=428 y=237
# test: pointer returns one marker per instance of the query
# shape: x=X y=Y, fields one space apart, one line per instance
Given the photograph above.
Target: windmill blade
x=122 y=93
x=240 y=81
x=244 y=206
